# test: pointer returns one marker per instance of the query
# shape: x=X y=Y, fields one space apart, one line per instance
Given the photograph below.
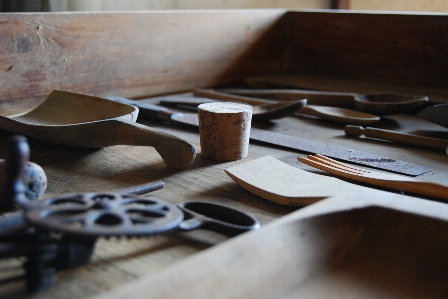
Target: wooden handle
x=321 y=98
x=208 y=93
x=402 y=138
x=176 y=153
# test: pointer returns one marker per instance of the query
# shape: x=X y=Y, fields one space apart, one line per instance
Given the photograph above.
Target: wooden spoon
x=377 y=104
x=341 y=115
x=86 y=121
x=261 y=109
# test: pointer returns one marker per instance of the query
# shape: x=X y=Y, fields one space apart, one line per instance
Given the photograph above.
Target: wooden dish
x=86 y=121
x=348 y=247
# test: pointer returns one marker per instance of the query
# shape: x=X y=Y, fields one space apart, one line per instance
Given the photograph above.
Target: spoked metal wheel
x=104 y=214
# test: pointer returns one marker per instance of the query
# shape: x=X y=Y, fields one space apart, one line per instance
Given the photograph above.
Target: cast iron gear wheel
x=104 y=214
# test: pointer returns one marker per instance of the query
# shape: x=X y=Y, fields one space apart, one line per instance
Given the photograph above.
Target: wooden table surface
x=118 y=261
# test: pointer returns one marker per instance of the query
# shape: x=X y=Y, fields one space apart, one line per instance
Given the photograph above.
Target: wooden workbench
x=116 y=54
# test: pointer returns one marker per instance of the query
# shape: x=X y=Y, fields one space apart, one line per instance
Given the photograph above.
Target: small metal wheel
x=103 y=214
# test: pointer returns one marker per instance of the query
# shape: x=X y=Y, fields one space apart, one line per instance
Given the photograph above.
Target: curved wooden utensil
x=437 y=114
x=262 y=109
x=281 y=183
x=378 y=104
x=398 y=137
x=341 y=115
x=388 y=103
x=86 y=121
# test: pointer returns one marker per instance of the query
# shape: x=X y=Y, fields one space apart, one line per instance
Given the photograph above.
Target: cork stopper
x=224 y=130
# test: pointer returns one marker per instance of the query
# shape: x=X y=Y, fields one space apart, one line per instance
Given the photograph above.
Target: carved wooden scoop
x=86 y=121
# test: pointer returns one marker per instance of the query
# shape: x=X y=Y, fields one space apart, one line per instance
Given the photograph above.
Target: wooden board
x=364 y=248
x=127 y=54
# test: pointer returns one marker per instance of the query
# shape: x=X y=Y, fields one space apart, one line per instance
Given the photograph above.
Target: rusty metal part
x=44 y=252
x=103 y=214
x=13 y=188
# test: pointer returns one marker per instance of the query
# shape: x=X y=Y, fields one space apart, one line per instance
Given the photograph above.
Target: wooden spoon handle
x=176 y=153
x=230 y=97
x=403 y=138
x=321 y=98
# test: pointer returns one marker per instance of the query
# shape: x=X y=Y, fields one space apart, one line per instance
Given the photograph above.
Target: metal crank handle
x=217 y=218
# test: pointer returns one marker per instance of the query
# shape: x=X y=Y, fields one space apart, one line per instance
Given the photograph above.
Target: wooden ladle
x=340 y=115
x=377 y=104
x=86 y=121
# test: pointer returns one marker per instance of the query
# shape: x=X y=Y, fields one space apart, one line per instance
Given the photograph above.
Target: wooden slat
x=132 y=54
x=405 y=50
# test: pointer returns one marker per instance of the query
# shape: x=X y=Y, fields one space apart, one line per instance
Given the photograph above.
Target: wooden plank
x=405 y=50
x=132 y=54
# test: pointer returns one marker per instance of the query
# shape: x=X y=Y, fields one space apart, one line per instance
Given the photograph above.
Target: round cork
x=224 y=130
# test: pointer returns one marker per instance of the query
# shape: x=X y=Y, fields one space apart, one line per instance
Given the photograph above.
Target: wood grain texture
x=137 y=54
x=281 y=183
x=402 y=50
x=132 y=54
x=116 y=53
x=344 y=253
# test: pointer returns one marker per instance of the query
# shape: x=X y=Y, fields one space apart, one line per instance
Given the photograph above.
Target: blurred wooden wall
x=401 y=5
x=114 y=5
x=33 y=5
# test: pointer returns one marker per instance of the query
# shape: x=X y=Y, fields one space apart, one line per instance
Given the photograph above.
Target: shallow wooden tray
x=350 y=247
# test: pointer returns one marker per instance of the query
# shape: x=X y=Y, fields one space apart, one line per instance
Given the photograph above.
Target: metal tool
x=114 y=214
x=28 y=228
x=156 y=113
